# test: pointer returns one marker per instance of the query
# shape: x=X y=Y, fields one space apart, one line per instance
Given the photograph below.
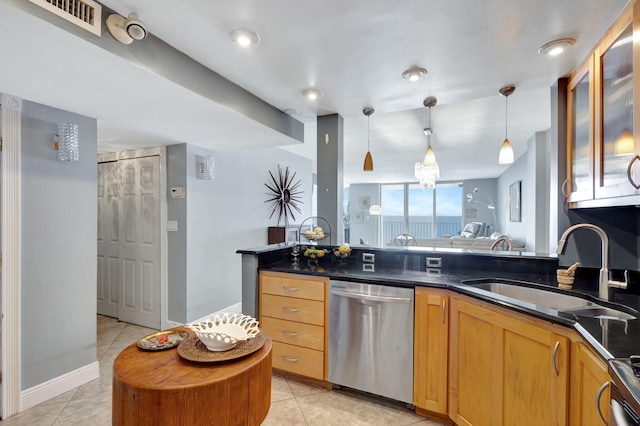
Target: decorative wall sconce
x=66 y=142
x=204 y=167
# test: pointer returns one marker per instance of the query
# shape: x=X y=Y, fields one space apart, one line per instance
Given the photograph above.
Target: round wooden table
x=160 y=388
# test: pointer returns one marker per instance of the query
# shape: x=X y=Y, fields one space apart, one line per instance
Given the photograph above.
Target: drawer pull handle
x=290 y=334
x=444 y=308
x=554 y=356
x=289 y=359
x=291 y=288
x=290 y=309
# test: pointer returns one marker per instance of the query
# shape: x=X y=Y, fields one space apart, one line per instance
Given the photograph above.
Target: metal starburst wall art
x=284 y=195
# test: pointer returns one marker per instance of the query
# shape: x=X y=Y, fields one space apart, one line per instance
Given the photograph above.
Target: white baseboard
x=58 y=385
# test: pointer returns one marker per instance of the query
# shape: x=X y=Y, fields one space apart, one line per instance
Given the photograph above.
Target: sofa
x=471 y=238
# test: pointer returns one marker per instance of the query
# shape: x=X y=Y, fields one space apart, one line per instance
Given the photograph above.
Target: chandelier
x=428 y=172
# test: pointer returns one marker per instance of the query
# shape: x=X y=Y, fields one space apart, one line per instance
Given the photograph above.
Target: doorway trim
x=149 y=152
x=10 y=274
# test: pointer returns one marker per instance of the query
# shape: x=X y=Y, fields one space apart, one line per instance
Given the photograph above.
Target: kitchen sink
x=560 y=302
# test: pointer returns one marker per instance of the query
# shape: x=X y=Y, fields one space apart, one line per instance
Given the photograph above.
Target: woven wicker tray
x=192 y=349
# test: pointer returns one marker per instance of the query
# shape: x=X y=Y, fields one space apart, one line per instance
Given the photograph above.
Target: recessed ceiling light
x=414 y=73
x=312 y=94
x=290 y=111
x=244 y=37
x=556 y=47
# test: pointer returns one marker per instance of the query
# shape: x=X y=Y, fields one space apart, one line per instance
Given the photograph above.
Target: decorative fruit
x=318 y=230
x=162 y=339
x=344 y=249
x=320 y=253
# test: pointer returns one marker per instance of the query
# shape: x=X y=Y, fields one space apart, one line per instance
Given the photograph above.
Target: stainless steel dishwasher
x=371 y=338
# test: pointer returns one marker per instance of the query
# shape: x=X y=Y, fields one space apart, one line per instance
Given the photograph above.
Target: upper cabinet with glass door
x=580 y=133
x=614 y=124
x=608 y=172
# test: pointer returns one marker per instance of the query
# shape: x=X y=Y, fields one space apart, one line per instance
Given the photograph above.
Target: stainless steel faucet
x=604 y=282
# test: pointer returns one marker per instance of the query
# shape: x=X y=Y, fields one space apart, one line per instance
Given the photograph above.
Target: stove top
x=625 y=374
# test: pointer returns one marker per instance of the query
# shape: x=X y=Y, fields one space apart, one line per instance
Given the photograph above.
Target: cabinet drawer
x=292 y=287
x=294 y=333
x=293 y=309
x=303 y=361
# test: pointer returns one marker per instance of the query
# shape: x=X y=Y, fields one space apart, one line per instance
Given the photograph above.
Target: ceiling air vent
x=86 y=14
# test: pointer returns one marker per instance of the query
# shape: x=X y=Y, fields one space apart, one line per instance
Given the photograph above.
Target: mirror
x=473 y=187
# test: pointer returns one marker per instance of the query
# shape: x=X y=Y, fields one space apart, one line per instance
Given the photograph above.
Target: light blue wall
x=218 y=217
x=59 y=251
x=366 y=227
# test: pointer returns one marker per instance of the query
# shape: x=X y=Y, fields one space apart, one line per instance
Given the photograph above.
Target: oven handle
x=372 y=298
x=598 y=397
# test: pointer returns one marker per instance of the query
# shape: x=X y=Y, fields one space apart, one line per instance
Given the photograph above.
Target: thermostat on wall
x=177 y=192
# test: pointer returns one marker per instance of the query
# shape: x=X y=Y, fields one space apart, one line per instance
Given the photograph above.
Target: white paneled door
x=129 y=240
x=108 y=239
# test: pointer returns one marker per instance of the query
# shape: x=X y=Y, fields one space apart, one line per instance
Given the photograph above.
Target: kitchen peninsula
x=478 y=357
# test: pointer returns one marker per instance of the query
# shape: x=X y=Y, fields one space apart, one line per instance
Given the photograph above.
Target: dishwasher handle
x=370 y=297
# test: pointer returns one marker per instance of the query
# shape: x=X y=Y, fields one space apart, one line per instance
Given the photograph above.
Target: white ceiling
x=354 y=51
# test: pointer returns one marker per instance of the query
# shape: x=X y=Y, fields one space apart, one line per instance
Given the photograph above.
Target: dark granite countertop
x=609 y=337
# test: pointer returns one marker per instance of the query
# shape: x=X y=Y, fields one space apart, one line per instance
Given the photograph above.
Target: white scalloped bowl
x=224 y=331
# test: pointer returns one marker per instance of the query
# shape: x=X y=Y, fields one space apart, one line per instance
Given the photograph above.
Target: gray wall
x=177 y=241
x=483 y=214
x=59 y=231
x=538 y=194
x=515 y=230
x=218 y=217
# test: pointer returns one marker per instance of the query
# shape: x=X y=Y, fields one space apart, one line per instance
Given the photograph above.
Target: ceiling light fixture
x=428 y=172
x=414 y=73
x=368 y=159
x=556 y=47
x=244 y=37
x=126 y=30
x=312 y=94
x=506 y=150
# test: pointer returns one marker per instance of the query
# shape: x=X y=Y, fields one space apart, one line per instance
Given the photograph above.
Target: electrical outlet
x=434 y=262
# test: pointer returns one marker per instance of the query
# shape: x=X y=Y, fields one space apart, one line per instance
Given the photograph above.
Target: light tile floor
x=292 y=402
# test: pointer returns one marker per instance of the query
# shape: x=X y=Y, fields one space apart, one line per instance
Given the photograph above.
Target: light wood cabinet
x=589 y=385
x=293 y=311
x=603 y=161
x=505 y=368
x=431 y=349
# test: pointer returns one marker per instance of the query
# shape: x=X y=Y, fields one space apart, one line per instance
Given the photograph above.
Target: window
x=423 y=213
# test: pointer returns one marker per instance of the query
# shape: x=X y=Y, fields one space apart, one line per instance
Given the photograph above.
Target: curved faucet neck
x=604 y=271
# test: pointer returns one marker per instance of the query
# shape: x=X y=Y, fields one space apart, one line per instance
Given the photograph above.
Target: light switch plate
x=172 y=225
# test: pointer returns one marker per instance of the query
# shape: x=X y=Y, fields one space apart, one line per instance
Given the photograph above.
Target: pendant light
x=428 y=172
x=506 y=151
x=368 y=159
x=429 y=155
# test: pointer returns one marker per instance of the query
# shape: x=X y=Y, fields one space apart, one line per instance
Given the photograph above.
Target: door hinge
x=0 y=144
